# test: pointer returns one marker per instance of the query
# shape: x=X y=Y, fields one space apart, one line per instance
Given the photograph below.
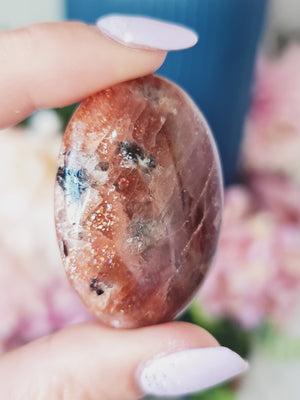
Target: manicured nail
x=147 y=32
x=190 y=371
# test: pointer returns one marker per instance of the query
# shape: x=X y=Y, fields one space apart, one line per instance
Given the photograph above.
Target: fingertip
x=57 y=64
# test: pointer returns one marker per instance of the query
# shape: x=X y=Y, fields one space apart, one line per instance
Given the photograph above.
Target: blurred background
x=245 y=75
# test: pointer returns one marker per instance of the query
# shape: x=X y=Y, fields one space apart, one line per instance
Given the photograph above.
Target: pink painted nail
x=147 y=32
x=190 y=371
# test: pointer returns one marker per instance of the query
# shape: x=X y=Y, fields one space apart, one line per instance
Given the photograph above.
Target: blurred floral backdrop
x=251 y=299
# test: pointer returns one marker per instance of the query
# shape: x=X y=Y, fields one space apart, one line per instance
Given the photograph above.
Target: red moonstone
x=138 y=201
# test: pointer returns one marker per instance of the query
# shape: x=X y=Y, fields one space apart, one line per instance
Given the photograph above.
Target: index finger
x=56 y=64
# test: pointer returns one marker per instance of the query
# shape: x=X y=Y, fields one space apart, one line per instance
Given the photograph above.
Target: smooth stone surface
x=138 y=202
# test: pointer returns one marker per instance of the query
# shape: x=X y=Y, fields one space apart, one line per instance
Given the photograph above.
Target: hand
x=53 y=65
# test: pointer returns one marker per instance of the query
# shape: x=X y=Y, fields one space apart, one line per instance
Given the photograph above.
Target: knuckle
x=17 y=42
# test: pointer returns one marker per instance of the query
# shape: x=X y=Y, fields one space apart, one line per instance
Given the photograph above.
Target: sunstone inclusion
x=138 y=202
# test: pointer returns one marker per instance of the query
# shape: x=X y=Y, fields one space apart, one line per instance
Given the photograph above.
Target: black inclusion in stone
x=65 y=248
x=60 y=177
x=133 y=152
x=151 y=162
x=95 y=286
x=73 y=181
x=102 y=166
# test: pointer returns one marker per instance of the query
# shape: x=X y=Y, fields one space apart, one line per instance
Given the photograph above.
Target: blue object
x=218 y=71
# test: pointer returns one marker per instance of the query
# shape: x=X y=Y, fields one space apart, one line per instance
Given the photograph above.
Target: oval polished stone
x=138 y=201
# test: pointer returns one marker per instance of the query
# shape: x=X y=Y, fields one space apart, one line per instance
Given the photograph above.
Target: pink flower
x=279 y=195
x=256 y=275
x=36 y=298
x=272 y=140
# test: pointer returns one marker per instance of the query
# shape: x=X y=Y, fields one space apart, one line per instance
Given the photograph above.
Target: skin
x=54 y=65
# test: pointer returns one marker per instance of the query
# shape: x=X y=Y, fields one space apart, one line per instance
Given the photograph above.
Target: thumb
x=93 y=362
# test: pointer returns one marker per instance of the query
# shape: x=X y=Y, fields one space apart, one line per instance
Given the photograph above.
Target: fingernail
x=147 y=32
x=190 y=371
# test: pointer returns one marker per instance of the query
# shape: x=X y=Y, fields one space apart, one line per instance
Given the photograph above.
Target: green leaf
x=219 y=393
x=227 y=332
